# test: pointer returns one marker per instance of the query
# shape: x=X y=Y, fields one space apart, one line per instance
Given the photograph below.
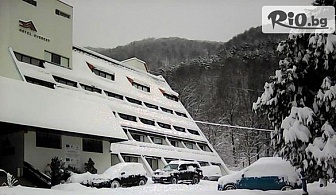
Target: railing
x=35 y=176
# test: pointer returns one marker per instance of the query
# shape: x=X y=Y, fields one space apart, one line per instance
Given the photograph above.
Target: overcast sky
x=110 y=23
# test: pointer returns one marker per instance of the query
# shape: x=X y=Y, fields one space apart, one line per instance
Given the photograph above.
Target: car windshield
x=170 y=167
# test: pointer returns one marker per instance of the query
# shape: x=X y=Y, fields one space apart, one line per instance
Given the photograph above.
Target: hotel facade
x=59 y=100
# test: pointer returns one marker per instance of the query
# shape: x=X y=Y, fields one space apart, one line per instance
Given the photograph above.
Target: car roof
x=179 y=162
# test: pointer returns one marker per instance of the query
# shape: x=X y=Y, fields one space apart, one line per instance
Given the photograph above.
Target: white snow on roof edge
x=33 y=105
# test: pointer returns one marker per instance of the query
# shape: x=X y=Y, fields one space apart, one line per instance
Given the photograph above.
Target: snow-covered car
x=122 y=174
x=269 y=173
x=179 y=171
x=211 y=172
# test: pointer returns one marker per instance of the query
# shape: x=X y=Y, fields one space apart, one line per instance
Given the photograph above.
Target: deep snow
x=204 y=187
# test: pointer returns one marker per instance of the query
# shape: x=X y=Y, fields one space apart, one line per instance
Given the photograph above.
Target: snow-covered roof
x=134 y=58
x=38 y=106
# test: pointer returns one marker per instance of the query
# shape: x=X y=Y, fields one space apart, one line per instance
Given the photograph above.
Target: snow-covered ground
x=204 y=187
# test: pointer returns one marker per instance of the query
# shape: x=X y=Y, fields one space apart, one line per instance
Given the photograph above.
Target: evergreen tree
x=89 y=167
x=300 y=102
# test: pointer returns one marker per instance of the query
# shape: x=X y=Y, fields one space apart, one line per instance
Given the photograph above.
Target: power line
x=234 y=126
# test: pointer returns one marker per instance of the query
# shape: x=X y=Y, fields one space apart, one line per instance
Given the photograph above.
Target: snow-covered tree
x=300 y=102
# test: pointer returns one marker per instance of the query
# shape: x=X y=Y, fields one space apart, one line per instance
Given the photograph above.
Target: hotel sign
x=28 y=28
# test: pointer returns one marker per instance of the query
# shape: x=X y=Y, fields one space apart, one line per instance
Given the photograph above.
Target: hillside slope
x=160 y=54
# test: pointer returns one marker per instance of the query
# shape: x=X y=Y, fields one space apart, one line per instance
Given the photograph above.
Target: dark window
x=147 y=122
x=48 y=140
x=60 y=13
x=103 y=74
x=179 y=129
x=183 y=167
x=90 y=88
x=139 y=138
x=65 y=81
x=56 y=59
x=217 y=164
x=32 y=2
x=167 y=110
x=164 y=125
x=151 y=105
x=204 y=147
x=168 y=160
x=141 y=87
x=127 y=117
x=114 y=95
x=134 y=101
x=174 y=143
x=203 y=164
x=193 y=132
x=28 y=59
x=91 y=145
x=181 y=114
x=171 y=97
x=39 y=82
x=130 y=159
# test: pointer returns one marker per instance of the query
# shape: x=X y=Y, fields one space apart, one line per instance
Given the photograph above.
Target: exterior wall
x=39 y=157
x=54 y=32
x=11 y=160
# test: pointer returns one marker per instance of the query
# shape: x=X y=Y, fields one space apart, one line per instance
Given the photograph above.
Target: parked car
x=211 y=172
x=269 y=173
x=122 y=174
x=179 y=171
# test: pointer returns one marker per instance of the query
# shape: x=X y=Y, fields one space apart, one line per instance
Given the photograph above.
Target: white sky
x=110 y=23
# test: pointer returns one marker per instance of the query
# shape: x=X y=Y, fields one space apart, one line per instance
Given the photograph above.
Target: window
x=193 y=132
x=181 y=114
x=39 y=82
x=157 y=140
x=147 y=122
x=103 y=74
x=29 y=60
x=189 y=145
x=164 y=125
x=48 y=140
x=60 y=13
x=168 y=160
x=91 y=88
x=204 y=147
x=65 y=81
x=166 y=110
x=217 y=164
x=141 y=87
x=171 y=97
x=139 y=138
x=151 y=106
x=173 y=142
x=32 y=2
x=203 y=164
x=181 y=129
x=114 y=95
x=56 y=59
x=153 y=163
x=134 y=101
x=91 y=145
x=130 y=159
x=127 y=117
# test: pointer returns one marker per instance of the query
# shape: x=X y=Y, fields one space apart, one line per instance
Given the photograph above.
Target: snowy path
x=204 y=188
